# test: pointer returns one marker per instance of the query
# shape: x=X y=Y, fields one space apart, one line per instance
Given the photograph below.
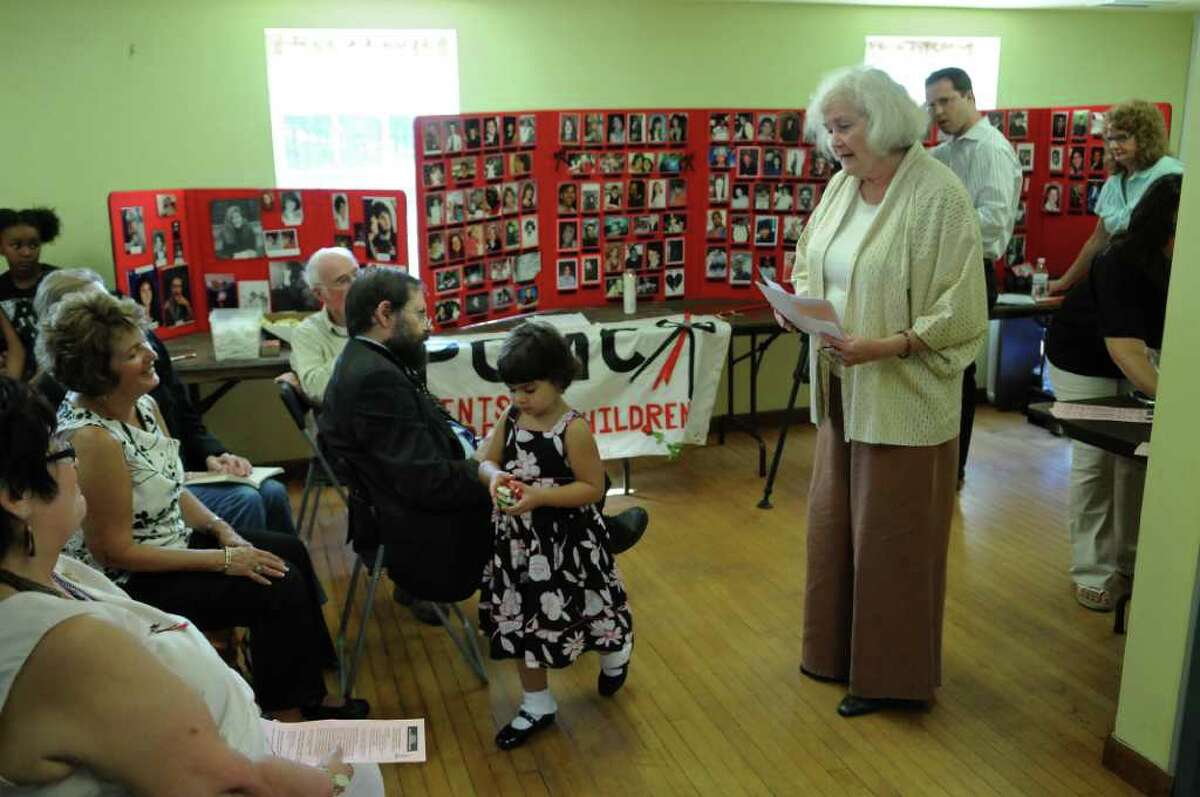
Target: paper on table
x=1092 y=412
x=361 y=741
x=814 y=316
x=1142 y=450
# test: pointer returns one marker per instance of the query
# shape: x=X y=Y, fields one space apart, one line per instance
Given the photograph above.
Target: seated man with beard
x=414 y=462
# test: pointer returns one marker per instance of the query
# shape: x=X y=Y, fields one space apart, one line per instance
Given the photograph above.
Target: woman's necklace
x=23 y=584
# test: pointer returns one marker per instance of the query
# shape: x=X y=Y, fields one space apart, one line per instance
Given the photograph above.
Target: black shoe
x=423 y=611
x=355 y=708
x=608 y=685
x=509 y=737
x=825 y=679
x=402 y=596
x=854 y=706
x=626 y=528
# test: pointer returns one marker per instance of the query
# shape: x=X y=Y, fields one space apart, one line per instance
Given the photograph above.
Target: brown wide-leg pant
x=878 y=529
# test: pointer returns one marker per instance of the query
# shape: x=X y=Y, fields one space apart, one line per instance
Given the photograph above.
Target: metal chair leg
x=465 y=640
x=308 y=485
x=348 y=678
x=318 y=489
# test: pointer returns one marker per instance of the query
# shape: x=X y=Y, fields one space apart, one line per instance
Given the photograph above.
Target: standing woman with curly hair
x=23 y=233
x=1135 y=142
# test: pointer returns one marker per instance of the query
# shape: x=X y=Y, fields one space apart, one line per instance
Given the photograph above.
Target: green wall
x=139 y=93
x=1169 y=546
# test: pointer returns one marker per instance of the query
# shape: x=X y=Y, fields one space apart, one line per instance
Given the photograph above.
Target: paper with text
x=361 y=741
x=814 y=316
x=1091 y=412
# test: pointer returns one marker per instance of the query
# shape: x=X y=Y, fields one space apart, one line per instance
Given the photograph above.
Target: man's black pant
x=967 y=422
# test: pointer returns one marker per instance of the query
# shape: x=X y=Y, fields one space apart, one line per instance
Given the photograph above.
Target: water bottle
x=1040 y=287
x=629 y=292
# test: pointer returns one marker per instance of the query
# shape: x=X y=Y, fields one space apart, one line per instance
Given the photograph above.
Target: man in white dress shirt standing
x=984 y=160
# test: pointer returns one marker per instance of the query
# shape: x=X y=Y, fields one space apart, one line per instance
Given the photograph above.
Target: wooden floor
x=715 y=704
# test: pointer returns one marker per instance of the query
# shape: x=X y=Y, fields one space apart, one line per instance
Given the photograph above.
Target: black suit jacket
x=395 y=446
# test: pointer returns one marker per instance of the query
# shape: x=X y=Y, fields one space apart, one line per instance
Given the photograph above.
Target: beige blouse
x=919 y=267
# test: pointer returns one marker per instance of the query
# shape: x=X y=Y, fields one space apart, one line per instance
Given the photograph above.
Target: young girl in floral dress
x=552 y=590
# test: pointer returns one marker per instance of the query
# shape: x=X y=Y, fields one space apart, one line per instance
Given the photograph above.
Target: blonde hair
x=75 y=341
x=1144 y=122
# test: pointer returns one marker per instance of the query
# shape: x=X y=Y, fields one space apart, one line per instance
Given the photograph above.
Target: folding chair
x=365 y=540
x=320 y=475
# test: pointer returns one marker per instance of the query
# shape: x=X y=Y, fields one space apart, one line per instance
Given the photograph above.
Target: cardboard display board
x=544 y=210
x=180 y=253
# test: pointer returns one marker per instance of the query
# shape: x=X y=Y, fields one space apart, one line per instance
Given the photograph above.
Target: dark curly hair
x=536 y=351
x=26 y=424
x=44 y=220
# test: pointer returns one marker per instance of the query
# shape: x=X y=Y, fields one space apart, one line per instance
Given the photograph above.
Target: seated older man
x=320 y=338
x=413 y=460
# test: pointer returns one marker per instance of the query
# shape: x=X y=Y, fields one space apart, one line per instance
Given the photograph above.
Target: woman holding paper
x=895 y=248
x=103 y=694
x=153 y=537
x=1100 y=344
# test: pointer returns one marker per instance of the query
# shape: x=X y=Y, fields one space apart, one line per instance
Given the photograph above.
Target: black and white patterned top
x=155 y=470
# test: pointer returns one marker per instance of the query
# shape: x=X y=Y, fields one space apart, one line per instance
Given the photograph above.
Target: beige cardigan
x=919 y=267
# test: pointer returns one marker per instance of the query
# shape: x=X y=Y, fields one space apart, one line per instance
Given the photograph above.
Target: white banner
x=643 y=379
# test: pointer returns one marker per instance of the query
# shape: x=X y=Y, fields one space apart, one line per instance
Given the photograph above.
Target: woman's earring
x=30 y=543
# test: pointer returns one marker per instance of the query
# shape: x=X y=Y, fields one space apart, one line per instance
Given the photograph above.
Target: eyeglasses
x=1117 y=138
x=66 y=452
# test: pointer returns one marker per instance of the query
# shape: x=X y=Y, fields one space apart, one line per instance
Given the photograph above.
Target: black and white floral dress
x=155 y=470
x=552 y=589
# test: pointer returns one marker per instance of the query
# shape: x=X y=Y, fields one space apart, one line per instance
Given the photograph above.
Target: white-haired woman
x=895 y=247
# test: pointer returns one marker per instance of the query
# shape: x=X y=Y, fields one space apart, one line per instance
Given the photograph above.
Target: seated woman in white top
x=100 y=694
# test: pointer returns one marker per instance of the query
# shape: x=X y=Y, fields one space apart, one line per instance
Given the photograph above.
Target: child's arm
x=490 y=472
x=584 y=458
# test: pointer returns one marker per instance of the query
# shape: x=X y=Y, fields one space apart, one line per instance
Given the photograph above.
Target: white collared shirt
x=985 y=162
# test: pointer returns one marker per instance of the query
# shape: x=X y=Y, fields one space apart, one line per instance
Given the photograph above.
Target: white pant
x=1105 y=498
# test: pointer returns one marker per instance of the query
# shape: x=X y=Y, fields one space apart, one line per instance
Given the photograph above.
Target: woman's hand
x=852 y=350
x=257 y=565
x=229 y=463
x=530 y=499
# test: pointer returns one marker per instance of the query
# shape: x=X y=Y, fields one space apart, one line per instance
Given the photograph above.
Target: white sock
x=612 y=663
x=536 y=705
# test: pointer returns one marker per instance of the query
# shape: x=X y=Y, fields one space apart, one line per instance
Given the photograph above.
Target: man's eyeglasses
x=342 y=282
x=66 y=452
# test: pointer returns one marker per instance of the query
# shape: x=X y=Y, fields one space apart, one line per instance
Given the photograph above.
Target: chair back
x=294 y=403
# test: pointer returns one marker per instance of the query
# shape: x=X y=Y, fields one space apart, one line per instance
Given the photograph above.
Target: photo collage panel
x=763 y=183
x=621 y=201
x=479 y=223
x=153 y=256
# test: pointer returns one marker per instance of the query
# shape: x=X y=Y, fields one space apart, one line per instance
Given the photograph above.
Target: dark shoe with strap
x=855 y=706
x=608 y=685
x=354 y=708
x=626 y=528
x=510 y=737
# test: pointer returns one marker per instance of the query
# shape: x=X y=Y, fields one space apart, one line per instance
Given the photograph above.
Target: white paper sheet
x=1143 y=450
x=815 y=316
x=361 y=741
x=1091 y=412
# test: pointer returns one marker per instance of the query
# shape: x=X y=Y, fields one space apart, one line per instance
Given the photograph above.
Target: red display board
x=532 y=210
x=1064 y=148
x=181 y=252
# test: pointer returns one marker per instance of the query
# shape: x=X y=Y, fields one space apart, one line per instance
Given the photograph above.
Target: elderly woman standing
x=1135 y=141
x=895 y=247
x=153 y=537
